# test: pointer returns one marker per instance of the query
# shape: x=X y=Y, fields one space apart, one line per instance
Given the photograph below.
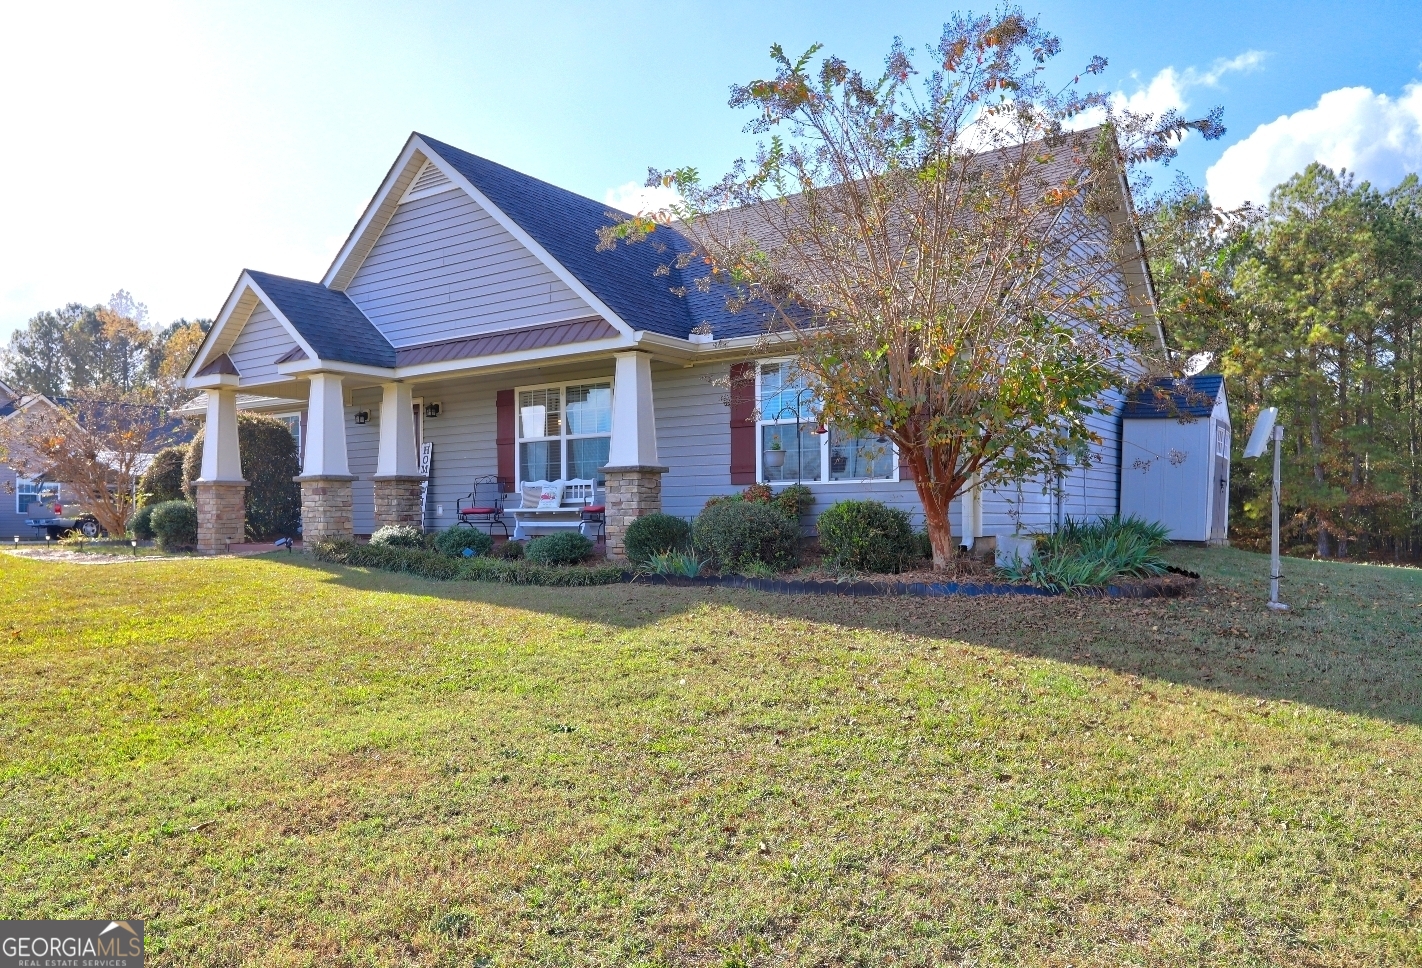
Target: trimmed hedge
x=163 y=481
x=560 y=548
x=174 y=524
x=270 y=466
x=867 y=536
x=655 y=534
x=740 y=534
x=432 y=564
x=398 y=536
x=455 y=541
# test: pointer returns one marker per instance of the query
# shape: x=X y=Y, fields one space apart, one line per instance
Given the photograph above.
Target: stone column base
x=397 y=501
x=221 y=514
x=326 y=507
x=631 y=492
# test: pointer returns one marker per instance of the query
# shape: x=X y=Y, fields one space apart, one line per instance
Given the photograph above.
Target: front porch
x=361 y=436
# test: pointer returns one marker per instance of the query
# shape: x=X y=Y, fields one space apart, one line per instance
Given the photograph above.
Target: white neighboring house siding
x=443 y=268
x=262 y=341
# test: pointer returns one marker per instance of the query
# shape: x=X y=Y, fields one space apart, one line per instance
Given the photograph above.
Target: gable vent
x=430 y=181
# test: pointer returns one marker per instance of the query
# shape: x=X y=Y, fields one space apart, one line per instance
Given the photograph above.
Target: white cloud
x=1375 y=136
x=639 y=199
x=1168 y=90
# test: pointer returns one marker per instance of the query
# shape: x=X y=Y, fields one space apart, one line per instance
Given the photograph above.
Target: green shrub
x=141 y=524
x=794 y=500
x=428 y=564
x=398 y=536
x=738 y=534
x=867 y=536
x=1082 y=555
x=174 y=524
x=455 y=541
x=560 y=548
x=163 y=481
x=655 y=534
x=269 y=465
x=508 y=551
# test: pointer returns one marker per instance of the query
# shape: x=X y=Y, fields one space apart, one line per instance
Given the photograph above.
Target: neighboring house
x=467 y=297
x=18 y=492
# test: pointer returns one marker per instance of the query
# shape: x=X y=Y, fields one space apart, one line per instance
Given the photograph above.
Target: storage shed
x=1175 y=438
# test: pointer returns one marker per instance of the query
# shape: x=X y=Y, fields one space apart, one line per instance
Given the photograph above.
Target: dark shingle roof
x=1190 y=396
x=328 y=320
x=625 y=278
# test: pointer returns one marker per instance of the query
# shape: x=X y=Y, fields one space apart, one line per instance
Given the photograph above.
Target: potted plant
x=775 y=454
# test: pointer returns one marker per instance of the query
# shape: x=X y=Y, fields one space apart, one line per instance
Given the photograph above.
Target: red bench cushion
x=594 y=509
x=478 y=510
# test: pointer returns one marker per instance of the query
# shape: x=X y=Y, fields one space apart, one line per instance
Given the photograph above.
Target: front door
x=1219 y=512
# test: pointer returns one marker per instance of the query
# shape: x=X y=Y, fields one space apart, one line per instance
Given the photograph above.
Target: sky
x=162 y=148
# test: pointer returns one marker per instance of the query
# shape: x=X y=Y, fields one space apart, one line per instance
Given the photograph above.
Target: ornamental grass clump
x=1091 y=555
x=867 y=536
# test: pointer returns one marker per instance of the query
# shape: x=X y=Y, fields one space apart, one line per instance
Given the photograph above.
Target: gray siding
x=12 y=522
x=443 y=268
x=262 y=342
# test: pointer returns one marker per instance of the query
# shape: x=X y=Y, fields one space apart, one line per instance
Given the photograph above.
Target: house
x=470 y=309
x=1175 y=457
x=18 y=491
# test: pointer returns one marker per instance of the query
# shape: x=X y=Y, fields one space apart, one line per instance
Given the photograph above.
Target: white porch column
x=634 y=474
x=221 y=455
x=220 y=492
x=325 y=428
x=397 y=432
x=326 y=500
x=397 y=468
x=634 y=422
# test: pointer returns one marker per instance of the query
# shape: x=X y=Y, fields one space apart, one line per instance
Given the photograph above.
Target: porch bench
x=577 y=494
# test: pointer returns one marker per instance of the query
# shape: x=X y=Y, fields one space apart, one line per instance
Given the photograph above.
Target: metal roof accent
x=293 y=354
x=508 y=341
x=222 y=365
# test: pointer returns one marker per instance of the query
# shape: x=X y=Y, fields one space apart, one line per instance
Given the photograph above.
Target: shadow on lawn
x=1353 y=642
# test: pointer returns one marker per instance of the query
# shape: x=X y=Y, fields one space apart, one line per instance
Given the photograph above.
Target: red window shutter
x=743 y=423
x=504 y=435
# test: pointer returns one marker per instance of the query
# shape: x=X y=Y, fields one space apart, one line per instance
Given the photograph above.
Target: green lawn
x=274 y=763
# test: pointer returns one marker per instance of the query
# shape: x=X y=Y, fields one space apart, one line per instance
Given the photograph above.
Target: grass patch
x=278 y=762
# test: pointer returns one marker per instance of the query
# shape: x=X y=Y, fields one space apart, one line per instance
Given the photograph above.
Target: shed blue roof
x=327 y=319
x=1190 y=396
x=625 y=278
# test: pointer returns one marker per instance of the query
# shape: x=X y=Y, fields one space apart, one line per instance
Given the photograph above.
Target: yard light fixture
x=134 y=542
x=1265 y=430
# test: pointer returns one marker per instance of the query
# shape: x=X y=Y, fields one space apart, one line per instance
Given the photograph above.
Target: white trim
x=824 y=443
x=214 y=337
x=363 y=224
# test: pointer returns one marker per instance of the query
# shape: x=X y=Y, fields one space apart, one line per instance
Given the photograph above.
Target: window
x=794 y=448
x=1221 y=442
x=293 y=424
x=28 y=492
x=564 y=431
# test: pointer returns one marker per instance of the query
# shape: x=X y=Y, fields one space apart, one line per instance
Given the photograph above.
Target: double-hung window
x=28 y=492
x=791 y=444
x=564 y=431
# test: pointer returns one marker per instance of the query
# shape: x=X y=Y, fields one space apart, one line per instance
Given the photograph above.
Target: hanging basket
x=775 y=458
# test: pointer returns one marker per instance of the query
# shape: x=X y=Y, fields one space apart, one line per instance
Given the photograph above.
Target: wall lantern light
x=431 y=410
x=362 y=416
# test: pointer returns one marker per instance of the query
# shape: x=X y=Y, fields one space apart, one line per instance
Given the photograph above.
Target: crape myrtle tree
x=940 y=246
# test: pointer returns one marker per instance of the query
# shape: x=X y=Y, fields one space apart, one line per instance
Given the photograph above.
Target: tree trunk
x=936 y=498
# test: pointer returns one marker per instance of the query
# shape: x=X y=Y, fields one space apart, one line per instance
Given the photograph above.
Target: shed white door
x=1219 y=512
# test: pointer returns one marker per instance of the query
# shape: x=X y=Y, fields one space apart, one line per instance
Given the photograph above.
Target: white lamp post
x=1265 y=430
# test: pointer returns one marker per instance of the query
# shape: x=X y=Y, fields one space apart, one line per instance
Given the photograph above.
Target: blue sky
x=162 y=148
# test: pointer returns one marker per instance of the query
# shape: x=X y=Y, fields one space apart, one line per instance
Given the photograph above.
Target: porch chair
x=483 y=506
